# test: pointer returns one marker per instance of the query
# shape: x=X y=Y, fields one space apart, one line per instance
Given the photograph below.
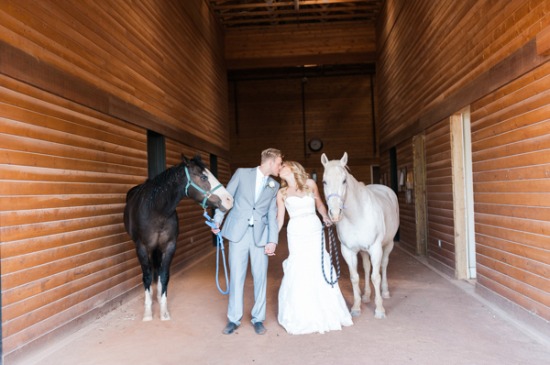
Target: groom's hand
x=270 y=249
x=217 y=229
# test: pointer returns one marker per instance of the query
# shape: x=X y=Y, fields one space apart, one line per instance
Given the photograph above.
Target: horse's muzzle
x=335 y=215
x=225 y=203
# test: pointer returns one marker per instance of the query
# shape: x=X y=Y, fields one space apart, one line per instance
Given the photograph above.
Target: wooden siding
x=80 y=84
x=64 y=172
x=272 y=113
x=511 y=164
x=407 y=226
x=435 y=57
x=297 y=45
x=439 y=190
x=158 y=64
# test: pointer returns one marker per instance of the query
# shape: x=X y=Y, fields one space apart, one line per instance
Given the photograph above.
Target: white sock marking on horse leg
x=164 y=314
x=148 y=313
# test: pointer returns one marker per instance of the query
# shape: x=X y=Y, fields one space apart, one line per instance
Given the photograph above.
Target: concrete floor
x=431 y=319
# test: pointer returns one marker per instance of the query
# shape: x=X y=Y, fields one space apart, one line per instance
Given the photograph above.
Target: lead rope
x=219 y=247
x=333 y=254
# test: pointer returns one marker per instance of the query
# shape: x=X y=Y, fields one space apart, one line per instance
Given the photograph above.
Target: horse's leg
x=164 y=277
x=366 y=267
x=143 y=257
x=388 y=247
x=351 y=260
x=376 y=259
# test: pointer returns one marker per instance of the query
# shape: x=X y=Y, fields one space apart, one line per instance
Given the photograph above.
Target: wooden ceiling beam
x=286 y=4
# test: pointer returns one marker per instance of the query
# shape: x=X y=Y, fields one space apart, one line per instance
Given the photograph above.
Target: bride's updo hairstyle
x=300 y=175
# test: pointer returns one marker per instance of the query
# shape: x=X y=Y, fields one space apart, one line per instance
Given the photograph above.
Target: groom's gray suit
x=245 y=240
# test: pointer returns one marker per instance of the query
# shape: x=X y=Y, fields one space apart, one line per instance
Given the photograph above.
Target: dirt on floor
x=431 y=319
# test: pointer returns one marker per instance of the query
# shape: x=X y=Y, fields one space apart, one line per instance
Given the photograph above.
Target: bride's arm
x=319 y=202
x=280 y=210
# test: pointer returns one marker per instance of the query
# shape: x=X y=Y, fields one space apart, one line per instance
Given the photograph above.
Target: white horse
x=367 y=219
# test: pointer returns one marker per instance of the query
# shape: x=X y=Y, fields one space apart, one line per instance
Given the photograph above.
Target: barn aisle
x=430 y=320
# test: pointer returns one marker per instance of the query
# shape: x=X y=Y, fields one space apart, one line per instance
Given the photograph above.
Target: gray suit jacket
x=242 y=186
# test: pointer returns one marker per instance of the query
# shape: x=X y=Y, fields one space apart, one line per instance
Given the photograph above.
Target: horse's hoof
x=165 y=317
x=147 y=318
x=386 y=295
x=379 y=314
x=356 y=312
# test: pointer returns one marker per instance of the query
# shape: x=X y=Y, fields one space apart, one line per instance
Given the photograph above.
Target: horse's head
x=203 y=187
x=335 y=185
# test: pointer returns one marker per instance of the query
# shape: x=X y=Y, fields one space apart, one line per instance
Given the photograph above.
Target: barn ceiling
x=248 y=13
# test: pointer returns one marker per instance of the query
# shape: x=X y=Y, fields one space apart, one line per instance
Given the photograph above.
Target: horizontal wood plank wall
x=297 y=45
x=107 y=72
x=433 y=59
x=64 y=173
x=158 y=64
x=272 y=113
x=430 y=49
x=407 y=224
x=439 y=190
x=511 y=164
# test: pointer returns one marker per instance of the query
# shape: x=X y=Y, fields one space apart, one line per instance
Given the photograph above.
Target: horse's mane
x=160 y=189
x=172 y=173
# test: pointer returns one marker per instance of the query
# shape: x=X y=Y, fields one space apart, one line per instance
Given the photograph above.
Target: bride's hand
x=327 y=221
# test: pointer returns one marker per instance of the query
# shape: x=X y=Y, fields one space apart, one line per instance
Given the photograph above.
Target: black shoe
x=230 y=328
x=259 y=328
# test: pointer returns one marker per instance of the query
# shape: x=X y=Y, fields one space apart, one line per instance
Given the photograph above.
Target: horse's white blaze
x=221 y=192
x=148 y=313
x=367 y=219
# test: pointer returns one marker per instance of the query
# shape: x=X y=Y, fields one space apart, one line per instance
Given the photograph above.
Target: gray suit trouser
x=238 y=264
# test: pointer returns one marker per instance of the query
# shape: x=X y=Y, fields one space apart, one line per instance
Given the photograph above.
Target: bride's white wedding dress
x=307 y=303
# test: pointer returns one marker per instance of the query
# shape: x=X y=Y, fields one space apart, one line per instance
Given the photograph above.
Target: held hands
x=216 y=228
x=270 y=249
x=327 y=221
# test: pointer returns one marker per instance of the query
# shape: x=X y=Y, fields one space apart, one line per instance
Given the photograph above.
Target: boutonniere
x=271 y=184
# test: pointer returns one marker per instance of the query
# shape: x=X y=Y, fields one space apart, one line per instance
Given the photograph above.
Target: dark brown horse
x=151 y=220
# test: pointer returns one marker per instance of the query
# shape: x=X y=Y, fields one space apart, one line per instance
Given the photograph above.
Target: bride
x=307 y=304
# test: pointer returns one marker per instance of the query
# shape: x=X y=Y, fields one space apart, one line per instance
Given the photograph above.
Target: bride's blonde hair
x=300 y=175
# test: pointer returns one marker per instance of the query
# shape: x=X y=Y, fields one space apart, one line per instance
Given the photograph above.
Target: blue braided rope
x=219 y=247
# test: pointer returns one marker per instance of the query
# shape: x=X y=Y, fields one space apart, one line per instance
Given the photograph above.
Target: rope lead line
x=333 y=255
x=210 y=222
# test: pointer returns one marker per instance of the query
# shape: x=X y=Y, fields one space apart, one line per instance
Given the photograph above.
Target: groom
x=251 y=228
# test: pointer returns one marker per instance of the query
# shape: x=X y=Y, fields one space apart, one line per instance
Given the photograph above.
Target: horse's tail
x=156 y=259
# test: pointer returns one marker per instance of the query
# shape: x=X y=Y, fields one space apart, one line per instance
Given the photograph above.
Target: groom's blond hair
x=271 y=153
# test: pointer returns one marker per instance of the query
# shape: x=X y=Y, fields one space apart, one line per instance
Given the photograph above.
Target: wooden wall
x=80 y=84
x=407 y=222
x=511 y=163
x=65 y=170
x=302 y=44
x=434 y=59
x=439 y=191
x=287 y=112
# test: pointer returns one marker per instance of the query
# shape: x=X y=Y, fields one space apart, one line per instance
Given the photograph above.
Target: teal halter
x=206 y=194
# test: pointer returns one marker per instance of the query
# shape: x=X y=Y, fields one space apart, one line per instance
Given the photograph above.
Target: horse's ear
x=184 y=159
x=324 y=159
x=344 y=159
